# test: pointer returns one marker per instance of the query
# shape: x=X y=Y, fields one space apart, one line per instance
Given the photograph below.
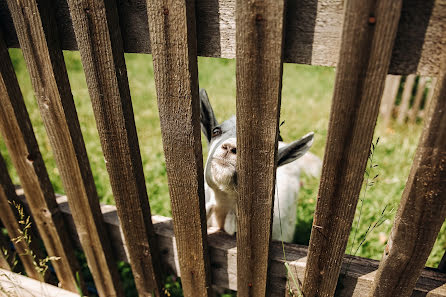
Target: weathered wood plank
x=15 y=126
x=430 y=95
x=403 y=108
x=369 y=33
x=389 y=95
x=9 y=217
x=174 y=48
x=414 y=111
x=38 y=37
x=312 y=35
x=16 y=285
x=223 y=258
x=422 y=210
x=260 y=35
x=96 y=25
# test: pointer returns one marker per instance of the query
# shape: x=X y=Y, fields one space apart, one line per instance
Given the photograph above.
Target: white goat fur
x=221 y=184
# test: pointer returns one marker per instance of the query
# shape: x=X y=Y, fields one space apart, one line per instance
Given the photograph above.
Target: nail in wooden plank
x=367 y=41
x=260 y=38
x=405 y=98
x=38 y=36
x=18 y=134
x=174 y=47
x=422 y=210
x=96 y=25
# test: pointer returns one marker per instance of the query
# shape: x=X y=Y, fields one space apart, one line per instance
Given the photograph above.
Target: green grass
x=306 y=99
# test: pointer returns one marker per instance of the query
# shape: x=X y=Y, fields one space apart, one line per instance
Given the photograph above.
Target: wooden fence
x=364 y=39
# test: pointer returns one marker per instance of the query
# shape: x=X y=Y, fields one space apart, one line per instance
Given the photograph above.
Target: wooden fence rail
x=223 y=258
x=378 y=37
x=313 y=28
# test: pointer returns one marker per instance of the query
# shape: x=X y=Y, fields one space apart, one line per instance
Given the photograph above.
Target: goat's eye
x=216 y=132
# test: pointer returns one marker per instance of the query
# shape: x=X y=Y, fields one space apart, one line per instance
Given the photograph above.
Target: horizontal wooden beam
x=313 y=31
x=13 y=284
x=357 y=282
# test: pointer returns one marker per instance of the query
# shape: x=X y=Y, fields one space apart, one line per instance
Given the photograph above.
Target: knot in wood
x=372 y=19
x=165 y=11
x=259 y=17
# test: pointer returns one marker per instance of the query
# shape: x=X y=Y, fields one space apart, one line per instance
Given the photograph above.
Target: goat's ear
x=207 y=117
x=294 y=150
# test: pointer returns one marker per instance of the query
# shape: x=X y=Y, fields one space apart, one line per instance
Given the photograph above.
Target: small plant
x=40 y=265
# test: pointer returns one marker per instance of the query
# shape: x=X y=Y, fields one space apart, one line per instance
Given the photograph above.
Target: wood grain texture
x=15 y=126
x=223 y=258
x=96 y=25
x=313 y=30
x=39 y=40
x=414 y=111
x=9 y=217
x=260 y=35
x=422 y=210
x=14 y=284
x=369 y=33
x=174 y=48
x=389 y=96
x=403 y=108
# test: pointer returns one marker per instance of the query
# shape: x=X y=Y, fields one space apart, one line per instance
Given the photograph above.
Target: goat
x=221 y=176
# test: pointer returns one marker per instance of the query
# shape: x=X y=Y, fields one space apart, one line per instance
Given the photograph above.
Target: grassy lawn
x=306 y=102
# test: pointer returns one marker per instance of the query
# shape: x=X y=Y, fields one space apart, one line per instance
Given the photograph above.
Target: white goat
x=221 y=176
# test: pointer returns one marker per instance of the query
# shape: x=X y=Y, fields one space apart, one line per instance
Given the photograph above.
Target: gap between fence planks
x=388 y=99
x=405 y=98
x=260 y=34
x=414 y=111
x=38 y=37
x=9 y=217
x=223 y=254
x=174 y=47
x=422 y=210
x=96 y=24
x=312 y=34
x=367 y=41
x=18 y=134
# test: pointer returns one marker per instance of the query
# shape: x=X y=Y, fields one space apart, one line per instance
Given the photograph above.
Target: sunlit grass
x=306 y=100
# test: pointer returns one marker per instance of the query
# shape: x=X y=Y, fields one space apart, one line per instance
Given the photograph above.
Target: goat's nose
x=228 y=147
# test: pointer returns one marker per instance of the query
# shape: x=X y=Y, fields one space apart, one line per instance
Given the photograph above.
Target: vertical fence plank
x=96 y=26
x=367 y=39
x=260 y=26
x=405 y=98
x=423 y=206
x=421 y=87
x=38 y=37
x=15 y=126
x=174 y=47
x=430 y=94
x=389 y=95
x=9 y=219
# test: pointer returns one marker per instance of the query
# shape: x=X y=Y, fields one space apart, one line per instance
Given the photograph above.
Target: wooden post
x=174 y=47
x=260 y=35
x=367 y=40
x=430 y=95
x=405 y=98
x=388 y=100
x=421 y=87
x=96 y=25
x=9 y=217
x=15 y=126
x=422 y=210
